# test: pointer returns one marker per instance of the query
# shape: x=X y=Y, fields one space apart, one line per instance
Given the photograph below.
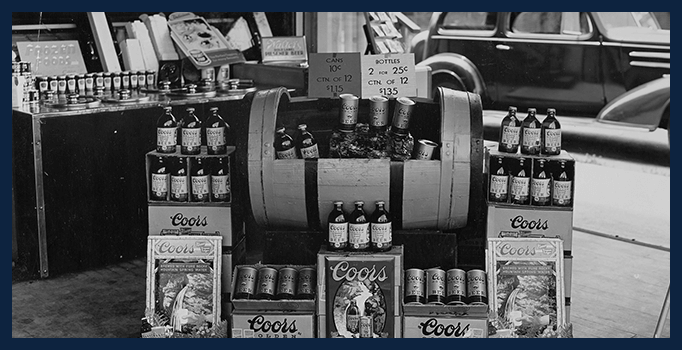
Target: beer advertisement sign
x=445 y=327
x=526 y=285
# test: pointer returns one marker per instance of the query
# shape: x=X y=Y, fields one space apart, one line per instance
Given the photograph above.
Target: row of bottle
x=531 y=181
x=188 y=132
x=529 y=135
x=179 y=179
x=357 y=232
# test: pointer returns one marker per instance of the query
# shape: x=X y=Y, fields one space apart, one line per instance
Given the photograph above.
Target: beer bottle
x=530 y=134
x=562 y=192
x=190 y=133
x=400 y=141
x=305 y=143
x=284 y=145
x=520 y=184
x=217 y=131
x=540 y=185
x=159 y=180
x=337 y=237
x=199 y=181
x=220 y=180
x=166 y=131
x=381 y=231
x=179 y=192
x=551 y=134
x=353 y=317
x=509 y=132
x=358 y=229
x=499 y=181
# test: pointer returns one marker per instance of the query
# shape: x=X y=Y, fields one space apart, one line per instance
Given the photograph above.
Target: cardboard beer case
x=373 y=280
x=445 y=327
x=505 y=220
x=272 y=324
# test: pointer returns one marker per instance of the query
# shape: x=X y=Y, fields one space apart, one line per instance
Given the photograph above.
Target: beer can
x=116 y=81
x=414 y=287
x=425 y=149
x=99 y=80
x=43 y=84
x=53 y=83
x=61 y=84
x=307 y=277
x=16 y=68
x=25 y=67
x=80 y=83
x=435 y=286
x=71 y=84
x=125 y=80
x=245 y=287
x=348 y=113
x=455 y=287
x=141 y=79
x=223 y=73
x=89 y=82
x=151 y=79
x=476 y=288
x=133 y=80
x=403 y=111
x=267 y=283
x=378 y=111
x=107 y=81
x=208 y=73
x=366 y=327
x=286 y=283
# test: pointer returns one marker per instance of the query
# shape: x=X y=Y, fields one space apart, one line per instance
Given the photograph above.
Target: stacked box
x=445 y=321
x=372 y=280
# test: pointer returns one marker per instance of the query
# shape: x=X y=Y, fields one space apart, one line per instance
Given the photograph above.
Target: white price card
x=389 y=75
x=333 y=74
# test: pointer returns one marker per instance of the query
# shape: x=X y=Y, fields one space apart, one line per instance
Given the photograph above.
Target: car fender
x=643 y=106
x=418 y=45
x=459 y=67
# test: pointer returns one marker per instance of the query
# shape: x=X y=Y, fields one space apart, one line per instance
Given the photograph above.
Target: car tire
x=447 y=80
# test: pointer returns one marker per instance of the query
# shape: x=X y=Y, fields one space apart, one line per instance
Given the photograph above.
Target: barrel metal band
x=397 y=175
x=311 y=195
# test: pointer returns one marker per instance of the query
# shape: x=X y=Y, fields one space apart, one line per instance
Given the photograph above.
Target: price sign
x=333 y=74
x=389 y=75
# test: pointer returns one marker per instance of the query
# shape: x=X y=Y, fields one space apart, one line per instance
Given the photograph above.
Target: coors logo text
x=432 y=327
x=180 y=220
x=343 y=270
x=520 y=222
x=260 y=324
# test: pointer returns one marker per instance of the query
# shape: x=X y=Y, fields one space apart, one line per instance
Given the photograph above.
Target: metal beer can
x=141 y=79
x=414 y=287
x=52 y=83
x=378 y=111
x=223 y=73
x=267 y=282
x=89 y=82
x=43 y=84
x=435 y=286
x=61 y=84
x=116 y=81
x=366 y=327
x=403 y=111
x=151 y=79
x=476 y=288
x=348 y=113
x=133 y=80
x=99 y=80
x=71 y=84
x=125 y=80
x=425 y=149
x=107 y=81
x=307 y=278
x=80 y=83
x=286 y=283
x=245 y=287
x=208 y=73
x=455 y=287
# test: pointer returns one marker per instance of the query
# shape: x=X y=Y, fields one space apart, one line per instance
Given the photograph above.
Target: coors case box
x=360 y=284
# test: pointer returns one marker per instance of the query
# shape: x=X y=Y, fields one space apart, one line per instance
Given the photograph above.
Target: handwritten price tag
x=389 y=75
x=333 y=74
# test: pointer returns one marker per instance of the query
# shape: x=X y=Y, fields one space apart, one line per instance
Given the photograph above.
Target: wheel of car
x=448 y=80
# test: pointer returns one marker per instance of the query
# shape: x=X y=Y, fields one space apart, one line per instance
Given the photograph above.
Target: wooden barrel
x=425 y=194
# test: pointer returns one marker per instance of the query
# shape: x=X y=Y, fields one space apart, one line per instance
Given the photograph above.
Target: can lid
x=71 y=76
x=151 y=71
x=348 y=97
x=61 y=77
x=99 y=74
x=302 y=126
x=405 y=101
x=90 y=74
x=378 y=99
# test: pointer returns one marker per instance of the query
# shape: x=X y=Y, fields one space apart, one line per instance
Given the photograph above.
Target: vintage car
x=576 y=62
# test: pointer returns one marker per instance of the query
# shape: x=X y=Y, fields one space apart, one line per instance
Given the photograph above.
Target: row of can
x=438 y=287
x=271 y=283
x=88 y=83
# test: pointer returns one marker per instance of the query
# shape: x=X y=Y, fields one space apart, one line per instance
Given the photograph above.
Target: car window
x=553 y=23
x=484 y=21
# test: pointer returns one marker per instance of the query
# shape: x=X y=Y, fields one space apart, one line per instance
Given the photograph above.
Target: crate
x=505 y=220
x=288 y=305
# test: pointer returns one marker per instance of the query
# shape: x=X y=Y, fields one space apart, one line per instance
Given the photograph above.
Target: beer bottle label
x=510 y=135
x=562 y=192
x=531 y=137
x=338 y=232
x=220 y=186
x=552 y=139
x=519 y=187
x=353 y=323
x=166 y=137
x=179 y=187
x=358 y=234
x=310 y=152
x=381 y=234
x=191 y=138
x=499 y=185
x=160 y=184
x=215 y=137
x=288 y=154
x=200 y=186
x=539 y=188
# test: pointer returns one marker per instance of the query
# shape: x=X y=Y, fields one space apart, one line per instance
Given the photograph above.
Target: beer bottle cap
x=532 y=110
x=90 y=75
x=190 y=109
x=551 y=111
x=512 y=109
x=338 y=202
x=213 y=109
x=61 y=77
x=302 y=126
x=151 y=72
x=281 y=129
x=107 y=74
x=359 y=203
x=99 y=74
x=168 y=108
x=380 y=202
x=71 y=76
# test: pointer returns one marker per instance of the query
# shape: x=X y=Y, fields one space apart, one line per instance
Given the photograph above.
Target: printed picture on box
x=184 y=292
x=196 y=34
x=354 y=299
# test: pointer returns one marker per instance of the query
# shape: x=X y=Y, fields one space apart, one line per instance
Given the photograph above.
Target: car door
x=550 y=59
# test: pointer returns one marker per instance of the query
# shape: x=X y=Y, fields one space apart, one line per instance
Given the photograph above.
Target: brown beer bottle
x=509 y=132
x=337 y=228
x=353 y=317
x=220 y=180
x=562 y=195
x=159 y=180
x=381 y=231
x=551 y=134
x=199 y=181
x=358 y=229
x=520 y=184
x=166 y=131
x=179 y=188
x=284 y=145
x=530 y=134
x=217 y=131
x=190 y=131
x=540 y=185
x=306 y=143
x=499 y=181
